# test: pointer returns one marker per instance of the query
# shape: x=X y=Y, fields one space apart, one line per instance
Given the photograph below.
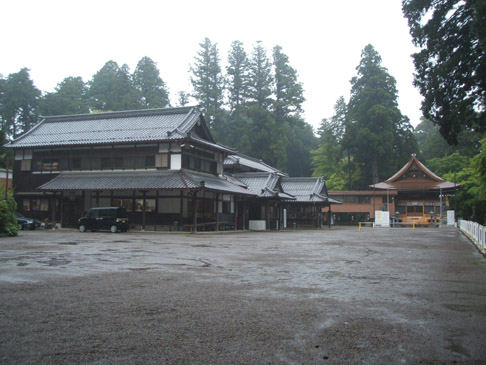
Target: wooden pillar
x=243 y=218
x=329 y=216
x=267 y=218
x=194 y=211
x=217 y=212
x=143 y=210
x=61 y=211
x=181 y=208
x=53 y=200
x=236 y=212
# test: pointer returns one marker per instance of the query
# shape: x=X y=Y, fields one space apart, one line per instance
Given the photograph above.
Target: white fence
x=475 y=232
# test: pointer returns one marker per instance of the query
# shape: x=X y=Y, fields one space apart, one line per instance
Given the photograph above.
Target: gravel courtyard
x=298 y=297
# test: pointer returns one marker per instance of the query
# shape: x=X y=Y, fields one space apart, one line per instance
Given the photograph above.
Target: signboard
x=382 y=219
x=451 y=217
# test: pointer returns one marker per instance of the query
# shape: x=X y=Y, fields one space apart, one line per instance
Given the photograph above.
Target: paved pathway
x=332 y=296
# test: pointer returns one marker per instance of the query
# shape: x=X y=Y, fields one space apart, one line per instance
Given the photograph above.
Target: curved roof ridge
x=116 y=114
x=408 y=165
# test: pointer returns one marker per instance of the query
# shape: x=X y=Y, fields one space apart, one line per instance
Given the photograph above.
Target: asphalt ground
x=376 y=296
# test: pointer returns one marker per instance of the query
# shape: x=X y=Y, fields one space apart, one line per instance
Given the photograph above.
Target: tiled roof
x=264 y=184
x=214 y=183
x=140 y=180
x=415 y=176
x=249 y=163
x=306 y=189
x=117 y=180
x=114 y=127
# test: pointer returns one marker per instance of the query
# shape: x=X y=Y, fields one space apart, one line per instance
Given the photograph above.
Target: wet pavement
x=330 y=296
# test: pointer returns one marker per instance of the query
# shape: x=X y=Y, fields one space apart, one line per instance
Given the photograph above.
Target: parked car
x=26 y=223
x=113 y=219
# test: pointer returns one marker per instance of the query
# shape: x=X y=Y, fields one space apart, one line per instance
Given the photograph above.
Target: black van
x=113 y=219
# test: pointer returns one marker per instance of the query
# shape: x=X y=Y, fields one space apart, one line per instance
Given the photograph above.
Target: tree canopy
x=378 y=135
x=19 y=103
x=261 y=115
x=451 y=64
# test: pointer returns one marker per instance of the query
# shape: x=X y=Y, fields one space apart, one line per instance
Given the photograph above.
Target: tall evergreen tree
x=451 y=63
x=153 y=90
x=111 y=88
x=379 y=136
x=70 y=97
x=207 y=79
x=19 y=103
x=260 y=78
x=237 y=76
x=289 y=93
x=327 y=157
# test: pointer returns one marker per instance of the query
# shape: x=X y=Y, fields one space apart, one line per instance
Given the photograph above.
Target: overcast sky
x=322 y=38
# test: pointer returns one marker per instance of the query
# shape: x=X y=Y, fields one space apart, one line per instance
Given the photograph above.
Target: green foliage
x=19 y=103
x=70 y=97
x=237 y=78
x=261 y=78
x=378 y=136
x=207 y=79
x=8 y=219
x=326 y=159
x=152 y=89
x=451 y=64
x=470 y=174
x=111 y=88
x=289 y=93
x=449 y=164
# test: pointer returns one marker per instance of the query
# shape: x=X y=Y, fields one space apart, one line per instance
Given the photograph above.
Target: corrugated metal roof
x=115 y=127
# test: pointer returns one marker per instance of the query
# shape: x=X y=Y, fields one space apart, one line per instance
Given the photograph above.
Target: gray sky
x=322 y=38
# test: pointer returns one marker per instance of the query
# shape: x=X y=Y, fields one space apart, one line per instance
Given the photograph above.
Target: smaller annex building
x=413 y=195
x=162 y=165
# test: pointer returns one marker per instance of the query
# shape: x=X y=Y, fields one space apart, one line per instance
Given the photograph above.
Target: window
x=26 y=205
x=118 y=162
x=49 y=165
x=364 y=200
x=40 y=205
x=169 y=205
x=26 y=165
x=149 y=205
x=149 y=161
x=139 y=162
x=76 y=164
x=125 y=203
x=162 y=160
x=106 y=163
x=349 y=199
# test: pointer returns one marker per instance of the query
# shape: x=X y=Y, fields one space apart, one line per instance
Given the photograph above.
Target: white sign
x=382 y=219
x=451 y=217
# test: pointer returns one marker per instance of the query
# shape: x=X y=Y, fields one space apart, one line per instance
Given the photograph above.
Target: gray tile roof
x=115 y=127
x=263 y=184
x=117 y=180
x=141 y=180
x=306 y=189
x=215 y=183
x=246 y=163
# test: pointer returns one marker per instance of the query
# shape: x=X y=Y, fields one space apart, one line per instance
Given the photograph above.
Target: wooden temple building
x=413 y=195
x=162 y=165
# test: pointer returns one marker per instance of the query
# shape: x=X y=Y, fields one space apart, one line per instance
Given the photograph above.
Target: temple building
x=162 y=165
x=413 y=195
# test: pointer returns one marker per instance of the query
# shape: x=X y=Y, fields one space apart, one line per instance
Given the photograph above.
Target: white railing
x=475 y=232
